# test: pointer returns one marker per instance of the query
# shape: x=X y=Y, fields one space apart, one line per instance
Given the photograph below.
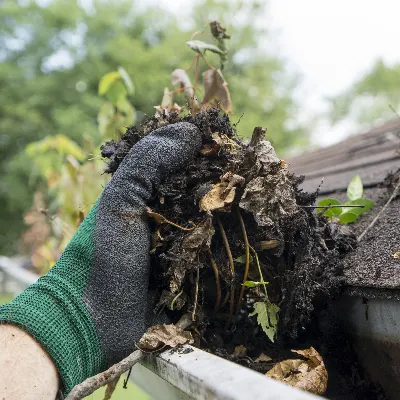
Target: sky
x=331 y=44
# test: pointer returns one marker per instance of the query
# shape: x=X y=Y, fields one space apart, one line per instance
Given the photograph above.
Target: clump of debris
x=237 y=245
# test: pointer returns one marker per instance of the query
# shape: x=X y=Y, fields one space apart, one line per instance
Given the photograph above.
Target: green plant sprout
x=351 y=210
x=267 y=312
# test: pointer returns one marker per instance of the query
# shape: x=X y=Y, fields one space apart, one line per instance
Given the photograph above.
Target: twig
x=196 y=295
x=111 y=388
x=232 y=264
x=217 y=282
x=333 y=206
x=246 y=268
x=394 y=194
x=90 y=385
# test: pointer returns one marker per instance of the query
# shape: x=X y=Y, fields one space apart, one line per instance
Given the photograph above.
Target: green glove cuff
x=68 y=337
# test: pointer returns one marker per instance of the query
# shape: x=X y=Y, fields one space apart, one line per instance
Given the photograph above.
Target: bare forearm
x=26 y=371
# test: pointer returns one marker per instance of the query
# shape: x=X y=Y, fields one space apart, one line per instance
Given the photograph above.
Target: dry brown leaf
x=263 y=358
x=310 y=375
x=221 y=194
x=240 y=351
x=180 y=77
x=215 y=86
x=159 y=335
x=267 y=244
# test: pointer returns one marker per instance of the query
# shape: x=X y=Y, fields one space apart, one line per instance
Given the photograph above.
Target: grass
x=131 y=393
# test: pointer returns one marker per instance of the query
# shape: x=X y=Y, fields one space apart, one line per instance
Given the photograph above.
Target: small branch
x=333 y=206
x=217 y=282
x=196 y=295
x=232 y=264
x=247 y=265
x=394 y=194
x=90 y=385
x=111 y=388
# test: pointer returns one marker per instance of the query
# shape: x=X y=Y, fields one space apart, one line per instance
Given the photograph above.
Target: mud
x=300 y=254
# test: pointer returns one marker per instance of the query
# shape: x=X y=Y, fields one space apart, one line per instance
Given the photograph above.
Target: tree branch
x=90 y=385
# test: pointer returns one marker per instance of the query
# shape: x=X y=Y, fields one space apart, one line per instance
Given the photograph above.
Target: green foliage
x=267 y=317
x=355 y=188
x=53 y=57
x=347 y=215
x=368 y=99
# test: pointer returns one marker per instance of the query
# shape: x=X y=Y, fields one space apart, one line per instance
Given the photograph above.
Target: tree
x=369 y=98
x=54 y=56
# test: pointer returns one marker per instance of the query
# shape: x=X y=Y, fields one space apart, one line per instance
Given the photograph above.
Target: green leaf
x=116 y=92
x=201 y=47
x=242 y=259
x=330 y=212
x=106 y=81
x=367 y=203
x=267 y=317
x=254 y=284
x=348 y=217
x=127 y=80
x=355 y=188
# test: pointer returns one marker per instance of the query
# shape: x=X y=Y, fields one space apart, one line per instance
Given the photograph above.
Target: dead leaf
x=159 y=335
x=180 y=77
x=184 y=253
x=267 y=244
x=221 y=194
x=215 y=86
x=396 y=254
x=263 y=358
x=240 y=351
x=310 y=375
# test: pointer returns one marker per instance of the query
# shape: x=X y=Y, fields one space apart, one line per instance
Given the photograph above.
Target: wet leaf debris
x=232 y=244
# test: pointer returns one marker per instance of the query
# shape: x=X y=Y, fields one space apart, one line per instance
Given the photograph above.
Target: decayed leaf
x=240 y=351
x=184 y=253
x=215 y=86
x=221 y=194
x=159 y=335
x=270 y=193
x=267 y=244
x=267 y=317
x=180 y=77
x=310 y=375
x=263 y=358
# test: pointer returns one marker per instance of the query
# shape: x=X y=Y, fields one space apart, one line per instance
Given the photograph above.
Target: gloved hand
x=90 y=308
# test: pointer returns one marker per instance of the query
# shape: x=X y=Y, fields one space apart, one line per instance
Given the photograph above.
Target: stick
x=196 y=295
x=217 y=282
x=246 y=268
x=394 y=194
x=337 y=206
x=90 y=385
x=232 y=264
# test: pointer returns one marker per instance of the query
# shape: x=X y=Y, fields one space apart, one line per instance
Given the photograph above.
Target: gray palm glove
x=90 y=308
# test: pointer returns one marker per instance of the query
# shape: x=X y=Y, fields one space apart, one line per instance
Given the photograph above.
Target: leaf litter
x=295 y=252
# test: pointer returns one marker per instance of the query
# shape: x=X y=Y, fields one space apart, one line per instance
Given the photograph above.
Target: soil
x=300 y=253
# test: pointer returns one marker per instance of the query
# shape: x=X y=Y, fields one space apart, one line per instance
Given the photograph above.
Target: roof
x=372 y=155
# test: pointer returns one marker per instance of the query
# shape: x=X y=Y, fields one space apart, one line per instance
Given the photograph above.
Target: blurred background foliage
x=370 y=97
x=52 y=58
x=54 y=115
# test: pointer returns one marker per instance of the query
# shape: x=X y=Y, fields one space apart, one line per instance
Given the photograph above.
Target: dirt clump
x=230 y=222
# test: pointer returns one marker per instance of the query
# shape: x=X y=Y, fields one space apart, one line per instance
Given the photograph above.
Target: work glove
x=89 y=310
